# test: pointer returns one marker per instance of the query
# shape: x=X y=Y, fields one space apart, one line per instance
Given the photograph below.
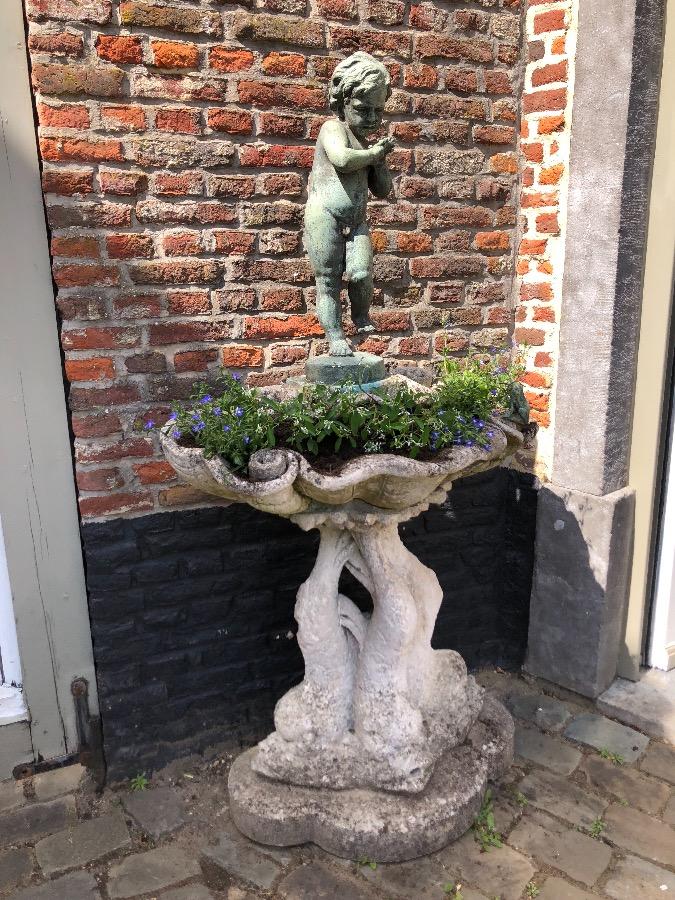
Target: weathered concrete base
x=648 y=704
x=383 y=826
x=361 y=368
x=580 y=587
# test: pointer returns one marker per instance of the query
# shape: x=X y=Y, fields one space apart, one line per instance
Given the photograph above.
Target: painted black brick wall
x=192 y=612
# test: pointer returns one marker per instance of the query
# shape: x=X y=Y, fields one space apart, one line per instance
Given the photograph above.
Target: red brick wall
x=176 y=139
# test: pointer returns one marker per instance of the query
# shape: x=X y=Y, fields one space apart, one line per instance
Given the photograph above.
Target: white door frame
x=37 y=491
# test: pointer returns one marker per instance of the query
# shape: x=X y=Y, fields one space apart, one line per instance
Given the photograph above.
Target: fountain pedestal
x=386 y=747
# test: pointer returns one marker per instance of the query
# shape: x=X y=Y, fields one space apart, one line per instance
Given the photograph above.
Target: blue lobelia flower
x=207 y=398
x=176 y=433
x=247 y=439
x=239 y=412
x=149 y=425
x=173 y=417
x=226 y=428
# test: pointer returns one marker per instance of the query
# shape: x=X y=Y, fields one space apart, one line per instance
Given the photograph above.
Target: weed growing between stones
x=139 y=782
x=484 y=830
x=615 y=758
x=323 y=421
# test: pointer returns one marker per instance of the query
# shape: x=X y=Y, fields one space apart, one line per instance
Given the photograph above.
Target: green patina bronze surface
x=345 y=169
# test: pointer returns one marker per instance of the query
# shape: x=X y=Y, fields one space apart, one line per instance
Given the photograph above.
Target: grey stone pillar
x=585 y=516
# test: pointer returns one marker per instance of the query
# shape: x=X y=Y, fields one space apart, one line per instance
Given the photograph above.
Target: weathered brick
x=89 y=214
x=292 y=64
x=154 y=472
x=119 y=48
x=233 y=121
x=280 y=94
x=185 y=272
x=62 y=42
x=96 y=11
x=124 y=184
x=96 y=81
x=553 y=20
x=65 y=115
x=375 y=42
x=126 y=118
x=73 y=275
x=225 y=59
x=238 y=356
x=173 y=18
x=194 y=360
x=187 y=332
x=128 y=246
x=472 y=49
x=279 y=29
x=67 y=181
x=95 y=368
x=174 y=55
x=63 y=149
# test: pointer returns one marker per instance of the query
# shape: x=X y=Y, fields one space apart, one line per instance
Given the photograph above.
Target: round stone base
x=361 y=368
x=383 y=826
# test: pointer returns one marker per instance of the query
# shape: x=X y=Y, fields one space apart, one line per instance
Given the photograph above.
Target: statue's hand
x=381 y=148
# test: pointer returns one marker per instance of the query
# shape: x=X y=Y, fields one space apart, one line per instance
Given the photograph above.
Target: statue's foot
x=339 y=347
x=364 y=326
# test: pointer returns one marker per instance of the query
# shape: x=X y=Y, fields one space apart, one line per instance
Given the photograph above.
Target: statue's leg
x=325 y=246
x=321 y=706
x=359 y=270
x=386 y=718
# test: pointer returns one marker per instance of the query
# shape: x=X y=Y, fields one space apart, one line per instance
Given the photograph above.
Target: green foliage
x=596 y=829
x=520 y=799
x=484 y=830
x=322 y=420
x=532 y=889
x=453 y=890
x=139 y=782
x=615 y=758
x=365 y=861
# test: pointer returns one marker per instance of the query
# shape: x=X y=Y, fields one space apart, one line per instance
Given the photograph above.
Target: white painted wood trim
x=37 y=492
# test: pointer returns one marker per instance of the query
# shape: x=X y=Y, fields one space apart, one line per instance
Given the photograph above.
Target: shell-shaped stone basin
x=384 y=481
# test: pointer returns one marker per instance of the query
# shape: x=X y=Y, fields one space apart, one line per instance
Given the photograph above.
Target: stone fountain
x=386 y=747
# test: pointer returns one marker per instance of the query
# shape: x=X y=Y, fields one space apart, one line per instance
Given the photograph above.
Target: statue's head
x=359 y=88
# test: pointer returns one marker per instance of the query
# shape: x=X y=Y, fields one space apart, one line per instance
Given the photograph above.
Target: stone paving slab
x=502 y=871
x=236 y=857
x=635 y=879
x=640 y=833
x=557 y=889
x=544 y=712
x=83 y=843
x=568 y=801
x=77 y=886
x=151 y=871
x=27 y=823
x=577 y=855
x=550 y=752
x=11 y=795
x=659 y=760
x=192 y=892
x=423 y=879
x=316 y=882
x=158 y=811
x=15 y=866
x=49 y=785
x=626 y=784
x=669 y=811
x=603 y=734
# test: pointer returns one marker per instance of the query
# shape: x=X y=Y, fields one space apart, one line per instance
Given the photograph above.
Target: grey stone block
x=190 y=892
x=580 y=586
x=35 y=820
x=316 y=882
x=15 y=747
x=361 y=368
x=230 y=857
x=639 y=833
x=669 y=811
x=546 y=751
x=550 y=792
x=159 y=811
x=649 y=703
x=149 y=872
x=557 y=889
x=11 y=795
x=48 y=785
x=603 y=734
x=15 y=865
x=626 y=784
x=502 y=871
x=577 y=855
x=83 y=843
x=633 y=878
x=546 y=712
x=77 y=886
x=659 y=761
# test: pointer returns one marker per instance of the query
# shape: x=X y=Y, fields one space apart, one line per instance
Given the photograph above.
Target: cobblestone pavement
x=588 y=810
